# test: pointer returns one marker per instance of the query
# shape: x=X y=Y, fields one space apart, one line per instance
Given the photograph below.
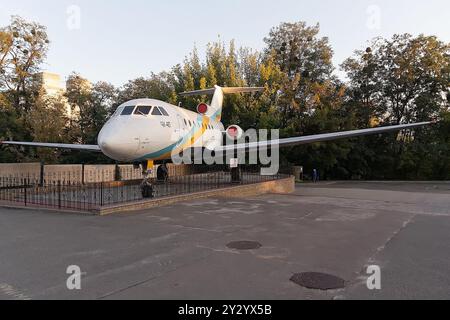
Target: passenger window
x=127 y=111
x=185 y=122
x=190 y=123
x=143 y=110
x=164 y=112
x=156 y=112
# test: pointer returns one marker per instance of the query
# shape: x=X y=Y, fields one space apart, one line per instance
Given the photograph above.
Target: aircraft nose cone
x=107 y=145
x=118 y=146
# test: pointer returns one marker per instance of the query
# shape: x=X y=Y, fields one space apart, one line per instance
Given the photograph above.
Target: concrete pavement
x=180 y=251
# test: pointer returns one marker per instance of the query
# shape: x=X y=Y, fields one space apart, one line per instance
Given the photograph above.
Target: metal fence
x=66 y=194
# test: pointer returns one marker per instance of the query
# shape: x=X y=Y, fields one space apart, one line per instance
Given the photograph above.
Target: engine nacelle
x=202 y=108
x=234 y=132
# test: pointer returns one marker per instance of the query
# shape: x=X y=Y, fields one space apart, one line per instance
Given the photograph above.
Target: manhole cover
x=316 y=280
x=244 y=245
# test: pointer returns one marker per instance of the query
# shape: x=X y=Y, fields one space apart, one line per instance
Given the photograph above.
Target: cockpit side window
x=143 y=110
x=127 y=111
x=156 y=112
x=164 y=112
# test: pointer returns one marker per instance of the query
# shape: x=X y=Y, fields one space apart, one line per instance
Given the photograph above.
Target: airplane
x=145 y=131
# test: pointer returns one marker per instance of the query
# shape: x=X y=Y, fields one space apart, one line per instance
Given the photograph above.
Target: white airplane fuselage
x=155 y=136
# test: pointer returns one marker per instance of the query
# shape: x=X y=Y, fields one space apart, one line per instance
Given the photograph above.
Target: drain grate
x=319 y=281
x=244 y=245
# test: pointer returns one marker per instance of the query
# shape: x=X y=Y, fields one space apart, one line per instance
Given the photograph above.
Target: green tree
x=157 y=86
x=403 y=79
x=308 y=97
x=49 y=124
x=24 y=50
x=91 y=104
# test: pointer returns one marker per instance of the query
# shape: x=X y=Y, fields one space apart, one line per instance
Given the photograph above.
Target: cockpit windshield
x=143 y=110
x=127 y=111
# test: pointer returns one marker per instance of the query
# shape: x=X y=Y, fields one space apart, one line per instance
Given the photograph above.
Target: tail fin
x=215 y=111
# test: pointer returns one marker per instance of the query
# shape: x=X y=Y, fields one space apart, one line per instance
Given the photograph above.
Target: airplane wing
x=81 y=147
x=253 y=146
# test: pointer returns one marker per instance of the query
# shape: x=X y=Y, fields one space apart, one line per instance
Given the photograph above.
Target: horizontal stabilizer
x=225 y=90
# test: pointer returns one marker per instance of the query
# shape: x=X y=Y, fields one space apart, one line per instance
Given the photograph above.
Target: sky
x=118 y=40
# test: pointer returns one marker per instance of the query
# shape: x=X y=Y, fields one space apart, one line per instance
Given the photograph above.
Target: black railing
x=74 y=195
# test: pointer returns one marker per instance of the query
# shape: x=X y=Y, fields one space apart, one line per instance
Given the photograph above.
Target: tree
x=22 y=53
x=300 y=51
x=93 y=103
x=6 y=42
x=49 y=123
x=156 y=87
x=308 y=97
x=23 y=48
x=403 y=79
x=306 y=59
x=9 y=127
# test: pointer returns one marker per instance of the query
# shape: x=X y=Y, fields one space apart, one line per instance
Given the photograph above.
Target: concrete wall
x=12 y=173
x=99 y=173
x=18 y=169
x=127 y=172
x=55 y=173
x=74 y=173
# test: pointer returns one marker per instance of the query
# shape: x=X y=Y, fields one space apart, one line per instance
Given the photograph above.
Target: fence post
x=82 y=173
x=41 y=174
x=59 y=194
x=101 y=194
x=25 y=191
x=117 y=175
